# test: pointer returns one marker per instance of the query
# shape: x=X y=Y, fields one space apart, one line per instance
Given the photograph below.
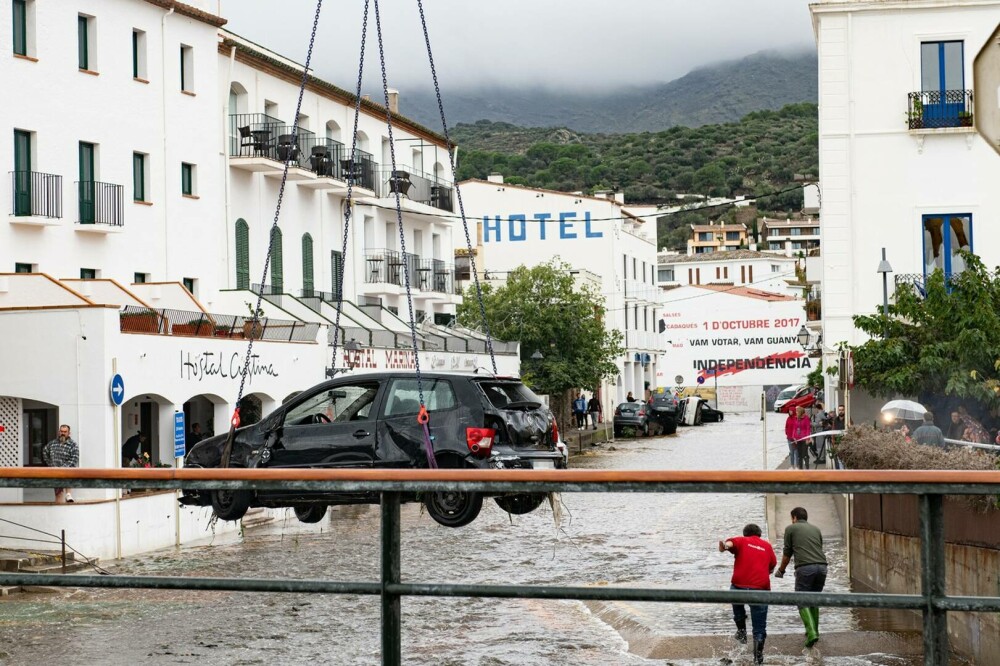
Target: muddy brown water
x=604 y=539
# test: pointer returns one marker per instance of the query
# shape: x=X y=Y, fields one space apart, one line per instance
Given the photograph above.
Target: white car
x=786 y=395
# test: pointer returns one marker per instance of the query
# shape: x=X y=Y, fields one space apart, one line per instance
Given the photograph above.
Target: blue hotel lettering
x=517 y=227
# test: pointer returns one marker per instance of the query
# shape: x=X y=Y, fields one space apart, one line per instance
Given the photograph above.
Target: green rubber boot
x=815 y=614
x=810 y=625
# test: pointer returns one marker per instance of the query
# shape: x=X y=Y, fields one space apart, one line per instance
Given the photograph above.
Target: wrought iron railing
x=35 y=194
x=442 y=277
x=137 y=319
x=932 y=109
x=101 y=203
x=918 y=281
x=930 y=486
x=420 y=187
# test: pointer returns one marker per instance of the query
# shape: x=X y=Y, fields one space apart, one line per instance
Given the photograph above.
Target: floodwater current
x=666 y=540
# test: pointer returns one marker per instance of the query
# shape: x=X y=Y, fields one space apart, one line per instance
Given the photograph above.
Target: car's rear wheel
x=230 y=504
x=453 y=508
x=310 y=513
x=520 y=503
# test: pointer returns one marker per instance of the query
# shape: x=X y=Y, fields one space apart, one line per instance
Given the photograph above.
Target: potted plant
x=140 y=321
x=253 y=328
x=915 y=116
x=965 y=118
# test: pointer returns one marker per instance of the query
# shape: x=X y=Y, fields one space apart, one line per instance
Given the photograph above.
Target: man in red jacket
x=755 y=560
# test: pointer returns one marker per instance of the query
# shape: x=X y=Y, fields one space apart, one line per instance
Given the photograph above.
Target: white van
x=786 y=395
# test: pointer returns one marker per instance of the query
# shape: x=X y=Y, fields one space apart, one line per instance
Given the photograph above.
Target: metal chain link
x=348 y=202
x=399 y=208
x=277 y=209
x=458 y=191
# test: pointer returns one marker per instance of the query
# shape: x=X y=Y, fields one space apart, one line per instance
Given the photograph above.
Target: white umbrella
x=907 y=410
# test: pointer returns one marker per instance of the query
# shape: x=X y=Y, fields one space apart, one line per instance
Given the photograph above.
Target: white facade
x=528 y=226
x=741 y=268
x=147 y=152
x=791 y=238
x=914 y=179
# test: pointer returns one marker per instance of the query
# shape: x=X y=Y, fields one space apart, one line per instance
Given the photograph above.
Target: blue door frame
x=942 y=102
x=946 y=243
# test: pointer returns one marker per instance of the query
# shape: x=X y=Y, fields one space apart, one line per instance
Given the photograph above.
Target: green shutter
x=277 y=281
x=182 y=69
x=186 y=179
x=22 y=172
x=138 y=176
x=83 y=49
x=337 y=268
x=87 y=189
x=242 y=254
x=20 y=28
x=307 y=264
x=135 y=54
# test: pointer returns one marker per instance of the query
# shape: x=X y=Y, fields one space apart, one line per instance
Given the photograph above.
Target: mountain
x=720 y=93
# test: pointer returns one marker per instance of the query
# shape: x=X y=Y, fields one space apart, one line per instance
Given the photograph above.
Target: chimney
x=619 y=197
x=601 y=194
x=495 y=178
x=393 y=100
x=366 y=98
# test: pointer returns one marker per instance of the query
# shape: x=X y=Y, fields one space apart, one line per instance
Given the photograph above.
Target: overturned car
x=370 y=422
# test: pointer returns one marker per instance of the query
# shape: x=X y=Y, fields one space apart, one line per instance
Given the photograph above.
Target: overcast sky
x=555 y=43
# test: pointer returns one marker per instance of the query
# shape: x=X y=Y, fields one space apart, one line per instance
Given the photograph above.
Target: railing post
x=391 y=623
x=932 y=580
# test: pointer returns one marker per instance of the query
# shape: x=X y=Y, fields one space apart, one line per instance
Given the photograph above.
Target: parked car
x=786 y=395
x=710 y=414
x=804 y=397
x=631 y=415
x=663 y=413
x=369 y=421
x=689 y=411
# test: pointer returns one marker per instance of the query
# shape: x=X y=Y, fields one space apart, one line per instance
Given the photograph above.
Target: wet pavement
x=604 y=539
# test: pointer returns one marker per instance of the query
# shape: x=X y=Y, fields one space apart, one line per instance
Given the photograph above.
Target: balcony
x=101 y=207
x=419 y=187
x=939 y=109
x=137 y=319
x=262 y=144
x=36 y=198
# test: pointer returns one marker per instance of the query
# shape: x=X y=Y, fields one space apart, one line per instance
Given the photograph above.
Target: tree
x=946 y=343
x=543 y=308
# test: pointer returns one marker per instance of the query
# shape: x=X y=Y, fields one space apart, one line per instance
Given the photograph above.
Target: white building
x=147 y=152
x=741 y=268
x=792 y=238
x=528 y=226
x=907 y=163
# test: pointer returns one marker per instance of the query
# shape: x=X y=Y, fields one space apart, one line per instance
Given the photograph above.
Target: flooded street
x=605 y=539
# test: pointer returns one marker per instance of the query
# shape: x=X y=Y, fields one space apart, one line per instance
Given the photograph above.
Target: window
x=697 y=276
x=644 y=271
x=718 y=272
x=87 y=183
x=725 y=272
x=666 y=274
x=743 y=274
x=942 y=83
x=795 y=231
x=140 y=278
x=774 y=246
x=242 y=254
x=393 y=309
x=705 y=236
x=20 y=24
x=86 y=42
x=339 y=405
x=732 y=235
x=635 y=263
x=944 y=236
x=307 y=265
x=188 y=179
x=22 y=173
x=775 y=268
x=774 y=232
x=138 y=54
x=502 y=393
x=187 y=68
x=188 y=284
x=23 y=268
x=88 y=273
x=336 y=271
x=139 y=176
x=750 y=274
x=277 y=279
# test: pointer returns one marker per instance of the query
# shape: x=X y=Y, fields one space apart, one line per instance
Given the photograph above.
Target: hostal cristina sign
x=204 y=365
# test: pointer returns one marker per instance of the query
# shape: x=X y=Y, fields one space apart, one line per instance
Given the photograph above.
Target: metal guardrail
x=933 y=109
x=36 y=194
x=931 y=486
x=165 y=321
x=100 y=203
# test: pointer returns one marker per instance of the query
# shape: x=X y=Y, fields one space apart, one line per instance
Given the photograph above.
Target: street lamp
x=884 y=268
x=803 y=336
x=537 y=356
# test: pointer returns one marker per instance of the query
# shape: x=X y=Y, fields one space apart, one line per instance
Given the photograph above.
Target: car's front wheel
x=230 y=504
x=453 y=508
x=310 y=513
x=520 y=503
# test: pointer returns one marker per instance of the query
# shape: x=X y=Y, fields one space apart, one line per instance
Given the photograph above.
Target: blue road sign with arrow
x=117 y=390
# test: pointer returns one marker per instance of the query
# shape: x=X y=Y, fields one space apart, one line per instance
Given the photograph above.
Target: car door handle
x=361 y=433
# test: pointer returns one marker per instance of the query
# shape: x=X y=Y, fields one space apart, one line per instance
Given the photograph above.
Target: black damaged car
x=369 y=422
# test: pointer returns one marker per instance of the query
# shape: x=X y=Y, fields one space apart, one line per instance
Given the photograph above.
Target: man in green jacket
x=804 y=542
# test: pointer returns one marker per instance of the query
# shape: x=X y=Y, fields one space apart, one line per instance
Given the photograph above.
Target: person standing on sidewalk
x=62 y=452
x=594 y=407
x=580 y=410
x=804 y=543
x=798 y=429
x=755 y=560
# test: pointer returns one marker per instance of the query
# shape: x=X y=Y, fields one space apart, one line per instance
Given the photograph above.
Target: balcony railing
x=419 y=187
x=101 y=203
x=442 y=276
x=137 y=319
x=35 y=194
x=933 y=109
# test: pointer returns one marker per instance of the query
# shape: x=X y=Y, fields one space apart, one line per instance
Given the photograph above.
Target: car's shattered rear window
x=503 y=393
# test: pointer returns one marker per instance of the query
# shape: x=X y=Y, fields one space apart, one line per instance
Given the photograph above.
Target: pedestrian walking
x=804 y=544
x=62 y=452
x=755 y=560
x=929 y=434
x=798 y=429
x=594 y=407
x=820 y=422
x=580 y=410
